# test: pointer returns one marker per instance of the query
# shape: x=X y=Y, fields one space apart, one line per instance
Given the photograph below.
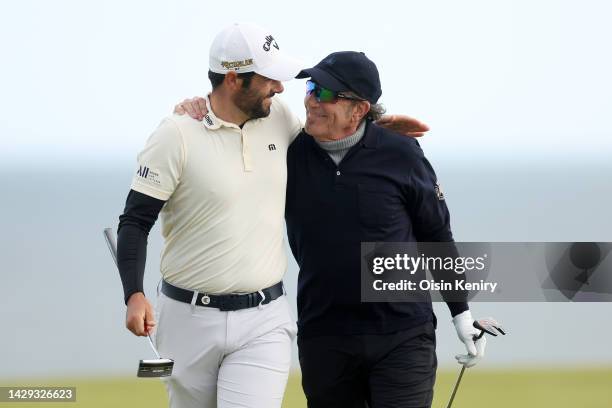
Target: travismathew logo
x=271 y=147
x=148 y=174
x=270 y=41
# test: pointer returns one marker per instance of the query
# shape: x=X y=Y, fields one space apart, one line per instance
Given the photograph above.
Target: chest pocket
x=379 y=205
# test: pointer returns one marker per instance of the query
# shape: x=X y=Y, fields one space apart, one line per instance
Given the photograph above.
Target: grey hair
x=377 y=110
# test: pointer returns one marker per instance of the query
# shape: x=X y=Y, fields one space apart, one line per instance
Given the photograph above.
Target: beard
x=252 y=103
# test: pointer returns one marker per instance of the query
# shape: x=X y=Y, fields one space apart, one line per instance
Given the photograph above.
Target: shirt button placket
x=246 y=154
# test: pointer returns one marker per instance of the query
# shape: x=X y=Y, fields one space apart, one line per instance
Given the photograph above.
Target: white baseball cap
x=244 y=47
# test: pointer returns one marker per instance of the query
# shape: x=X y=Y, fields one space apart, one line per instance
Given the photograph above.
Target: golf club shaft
x=153 y=346
x=456 y=387
x=112 y=244
x=475 y=338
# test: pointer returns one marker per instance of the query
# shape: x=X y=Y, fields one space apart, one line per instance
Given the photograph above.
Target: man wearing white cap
x=220 y=187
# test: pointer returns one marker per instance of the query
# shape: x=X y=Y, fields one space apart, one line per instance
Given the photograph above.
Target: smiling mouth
x=315 y=115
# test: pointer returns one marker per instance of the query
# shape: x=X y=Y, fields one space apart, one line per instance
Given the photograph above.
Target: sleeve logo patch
x=439 y=192
x=148 y=174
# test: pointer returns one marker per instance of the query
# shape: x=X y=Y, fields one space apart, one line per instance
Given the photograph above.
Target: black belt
x=224 y=302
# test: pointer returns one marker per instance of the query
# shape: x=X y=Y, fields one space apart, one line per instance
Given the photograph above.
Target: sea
x=61 y=306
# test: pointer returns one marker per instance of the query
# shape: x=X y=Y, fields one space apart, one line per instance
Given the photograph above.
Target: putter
x=159 y=367
x=489 y=326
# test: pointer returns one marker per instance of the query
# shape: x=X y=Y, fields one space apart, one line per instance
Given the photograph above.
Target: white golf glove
x=466 y=331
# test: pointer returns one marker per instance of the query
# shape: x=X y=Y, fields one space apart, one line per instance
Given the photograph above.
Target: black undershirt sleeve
x=135 y=223
x=456 y=300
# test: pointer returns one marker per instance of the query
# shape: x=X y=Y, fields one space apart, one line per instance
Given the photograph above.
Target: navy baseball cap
x=347 y=71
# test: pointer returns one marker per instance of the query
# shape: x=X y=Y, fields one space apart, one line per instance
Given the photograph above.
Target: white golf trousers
x=225 y=359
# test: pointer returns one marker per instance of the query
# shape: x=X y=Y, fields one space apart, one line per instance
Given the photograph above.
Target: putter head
x=159 y=367
x=490 y=326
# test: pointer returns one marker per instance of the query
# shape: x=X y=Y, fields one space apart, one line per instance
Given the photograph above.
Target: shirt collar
x=346 y=143
x=211 y=121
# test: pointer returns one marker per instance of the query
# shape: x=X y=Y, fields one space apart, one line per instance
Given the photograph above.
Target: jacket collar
x=372 y=133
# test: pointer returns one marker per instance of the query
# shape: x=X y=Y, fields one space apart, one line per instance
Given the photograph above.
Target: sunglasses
x=327 y=95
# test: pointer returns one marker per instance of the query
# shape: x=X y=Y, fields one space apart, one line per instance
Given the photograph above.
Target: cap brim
x=284 y=68
x=324 y=79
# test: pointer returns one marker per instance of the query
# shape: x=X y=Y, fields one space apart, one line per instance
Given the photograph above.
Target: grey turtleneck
x=338 y=148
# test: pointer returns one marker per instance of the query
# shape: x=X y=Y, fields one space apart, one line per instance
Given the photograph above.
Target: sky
x=87 y=81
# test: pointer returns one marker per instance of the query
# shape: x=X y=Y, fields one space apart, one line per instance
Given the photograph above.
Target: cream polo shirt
x=224 y=187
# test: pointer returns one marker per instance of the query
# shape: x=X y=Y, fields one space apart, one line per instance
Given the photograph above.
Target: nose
x=277 y=87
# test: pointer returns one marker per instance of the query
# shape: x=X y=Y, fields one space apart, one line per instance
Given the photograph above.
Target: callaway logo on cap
x=245 y=47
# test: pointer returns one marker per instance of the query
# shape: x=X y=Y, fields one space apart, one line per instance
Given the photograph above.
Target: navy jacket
x=383 y=190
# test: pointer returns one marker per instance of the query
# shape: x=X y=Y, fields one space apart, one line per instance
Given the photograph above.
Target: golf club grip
x=109 y=236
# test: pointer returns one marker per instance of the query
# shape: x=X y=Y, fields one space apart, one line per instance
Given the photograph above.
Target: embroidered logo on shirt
x=148 y=174
x=208 y=120
x=271 y=147
x=439 y=192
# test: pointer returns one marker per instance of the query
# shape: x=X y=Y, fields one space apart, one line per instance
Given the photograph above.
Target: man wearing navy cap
x=351 y=181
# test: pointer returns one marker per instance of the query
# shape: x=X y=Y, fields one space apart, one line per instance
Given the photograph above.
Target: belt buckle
x=205 y=300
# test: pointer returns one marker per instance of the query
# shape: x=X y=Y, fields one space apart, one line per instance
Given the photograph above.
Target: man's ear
x=361 y=110
x=231 y=81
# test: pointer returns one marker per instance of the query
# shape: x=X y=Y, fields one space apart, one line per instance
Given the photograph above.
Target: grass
x=559 y=388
